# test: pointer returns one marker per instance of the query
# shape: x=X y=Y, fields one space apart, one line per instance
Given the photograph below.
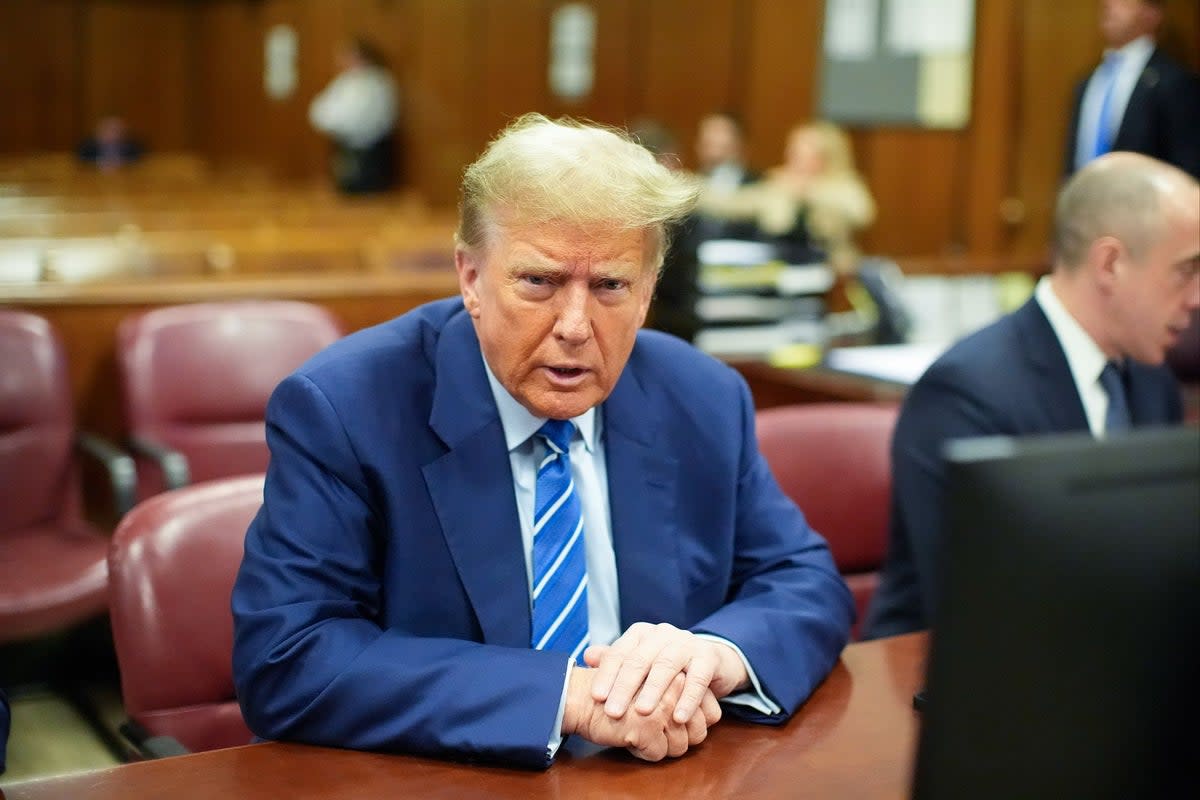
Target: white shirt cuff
x=754 y=697
x=556 y=737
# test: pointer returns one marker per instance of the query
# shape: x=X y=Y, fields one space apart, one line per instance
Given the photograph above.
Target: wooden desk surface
x=853 y=739
x=777 y=386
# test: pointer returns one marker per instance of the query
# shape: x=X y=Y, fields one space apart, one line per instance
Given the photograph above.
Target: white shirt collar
x=519 y=424
x=1138 y=51
x=1084 y=356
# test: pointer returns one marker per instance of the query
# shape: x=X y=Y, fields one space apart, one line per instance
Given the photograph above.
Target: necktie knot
x=558 y=433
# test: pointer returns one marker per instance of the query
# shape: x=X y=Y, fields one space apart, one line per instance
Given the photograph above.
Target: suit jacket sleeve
x=789 y=610
x=937 y=410
x=312 y=663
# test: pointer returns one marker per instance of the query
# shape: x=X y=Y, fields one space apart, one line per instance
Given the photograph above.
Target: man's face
x=557 y=309
x=717 y=142
x=1122 y=21
x=1153 y=298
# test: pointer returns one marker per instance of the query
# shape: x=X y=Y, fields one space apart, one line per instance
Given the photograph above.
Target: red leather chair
x=196 y=381
x=833 y=460
x=172 y=565
x=52 y=567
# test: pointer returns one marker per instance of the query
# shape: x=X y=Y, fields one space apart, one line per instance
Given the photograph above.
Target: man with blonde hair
x=512 y=516
x=1084 y=354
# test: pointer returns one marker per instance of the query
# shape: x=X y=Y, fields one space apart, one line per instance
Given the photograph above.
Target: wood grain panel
x=614 y=92
x=912 y=174
x=781 y=78
x=39 y=83
x=513 y=58
x=686 y=61
x=138 y=60
x=230 y=99
x=445 y=91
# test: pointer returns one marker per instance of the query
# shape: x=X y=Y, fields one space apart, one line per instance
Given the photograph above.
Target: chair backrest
x=37 y=424
x=172 y=565
x=833 y=460
x=197 y=377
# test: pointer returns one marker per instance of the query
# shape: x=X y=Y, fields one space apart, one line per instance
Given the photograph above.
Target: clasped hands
x=653 y=691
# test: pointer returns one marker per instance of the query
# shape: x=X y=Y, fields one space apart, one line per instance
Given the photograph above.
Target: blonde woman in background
x=812 y=205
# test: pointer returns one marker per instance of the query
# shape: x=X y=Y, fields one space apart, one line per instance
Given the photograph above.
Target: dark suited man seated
x=512 y=517
x=111 y=146
x=1085 y=353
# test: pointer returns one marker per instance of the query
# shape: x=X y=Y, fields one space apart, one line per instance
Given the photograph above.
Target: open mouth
x=567 y=372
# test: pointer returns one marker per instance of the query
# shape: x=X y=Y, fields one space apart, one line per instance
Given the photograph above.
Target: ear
x=1105 y=261
x=468 y=267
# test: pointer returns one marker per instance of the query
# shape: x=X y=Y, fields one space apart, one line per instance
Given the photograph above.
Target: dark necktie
x=1117 y=418
x=560 y=615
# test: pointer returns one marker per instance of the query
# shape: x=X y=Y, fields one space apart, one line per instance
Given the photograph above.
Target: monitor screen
x=1065 y=657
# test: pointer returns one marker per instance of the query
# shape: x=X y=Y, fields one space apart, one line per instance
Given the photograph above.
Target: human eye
x=612 y=284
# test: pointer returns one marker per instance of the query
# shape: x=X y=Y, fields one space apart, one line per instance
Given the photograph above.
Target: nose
x=573 y=324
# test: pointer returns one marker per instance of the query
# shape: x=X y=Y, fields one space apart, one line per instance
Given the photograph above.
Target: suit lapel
x=1044 y=354
x=1137 y=110
x=472 y=489
x=642 y=482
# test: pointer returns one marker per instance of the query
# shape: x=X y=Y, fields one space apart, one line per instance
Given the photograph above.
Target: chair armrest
x=173 y=463
x=152 y=746
x=122 y=472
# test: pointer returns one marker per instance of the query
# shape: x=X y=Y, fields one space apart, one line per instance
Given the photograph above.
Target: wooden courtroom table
x=854 y=738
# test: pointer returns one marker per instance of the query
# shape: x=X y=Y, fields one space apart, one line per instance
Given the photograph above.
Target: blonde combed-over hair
x=543 y=171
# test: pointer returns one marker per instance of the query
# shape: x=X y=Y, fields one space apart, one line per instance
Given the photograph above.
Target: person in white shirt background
x=358 y=110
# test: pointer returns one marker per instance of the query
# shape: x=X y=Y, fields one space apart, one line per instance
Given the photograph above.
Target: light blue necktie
x=560 y=615
x=1104 y=126
x=1117 y=418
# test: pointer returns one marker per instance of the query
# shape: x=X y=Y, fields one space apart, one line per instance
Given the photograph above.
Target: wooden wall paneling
x=912 y=174
x=686 y=62
x=137 y=63
x=1059 y=46
x=39 y=84
x=230 y=102
x=512 y=63
x=781 y=74
x=986 y=180
x=444 y=88
x=615 y=88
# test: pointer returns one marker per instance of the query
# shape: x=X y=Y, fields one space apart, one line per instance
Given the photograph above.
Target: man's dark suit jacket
x=1008 y=379
x=383 y=600
x=1162 y=119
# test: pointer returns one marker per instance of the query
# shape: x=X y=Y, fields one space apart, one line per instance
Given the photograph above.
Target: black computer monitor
x=1065 y=655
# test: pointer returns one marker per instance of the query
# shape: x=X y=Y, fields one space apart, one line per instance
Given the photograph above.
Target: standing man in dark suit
x=506 y=518
x=1084 y=354
x=1137 y=99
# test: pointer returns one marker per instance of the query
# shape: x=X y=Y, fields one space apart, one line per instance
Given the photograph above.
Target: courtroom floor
x=66 y=704
x=50 y=736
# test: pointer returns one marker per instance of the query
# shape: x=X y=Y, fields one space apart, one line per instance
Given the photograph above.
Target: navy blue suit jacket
x=1008 y=379
x=1162 y=119
x=383 y=602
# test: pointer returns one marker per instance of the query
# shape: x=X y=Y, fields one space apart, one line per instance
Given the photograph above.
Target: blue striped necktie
x=560 y=615
x=1117 y=417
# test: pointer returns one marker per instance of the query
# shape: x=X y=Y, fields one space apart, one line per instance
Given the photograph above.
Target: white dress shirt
x=1133 y=60
x=1084 y=356
x=358 y=108
x=590 y=474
